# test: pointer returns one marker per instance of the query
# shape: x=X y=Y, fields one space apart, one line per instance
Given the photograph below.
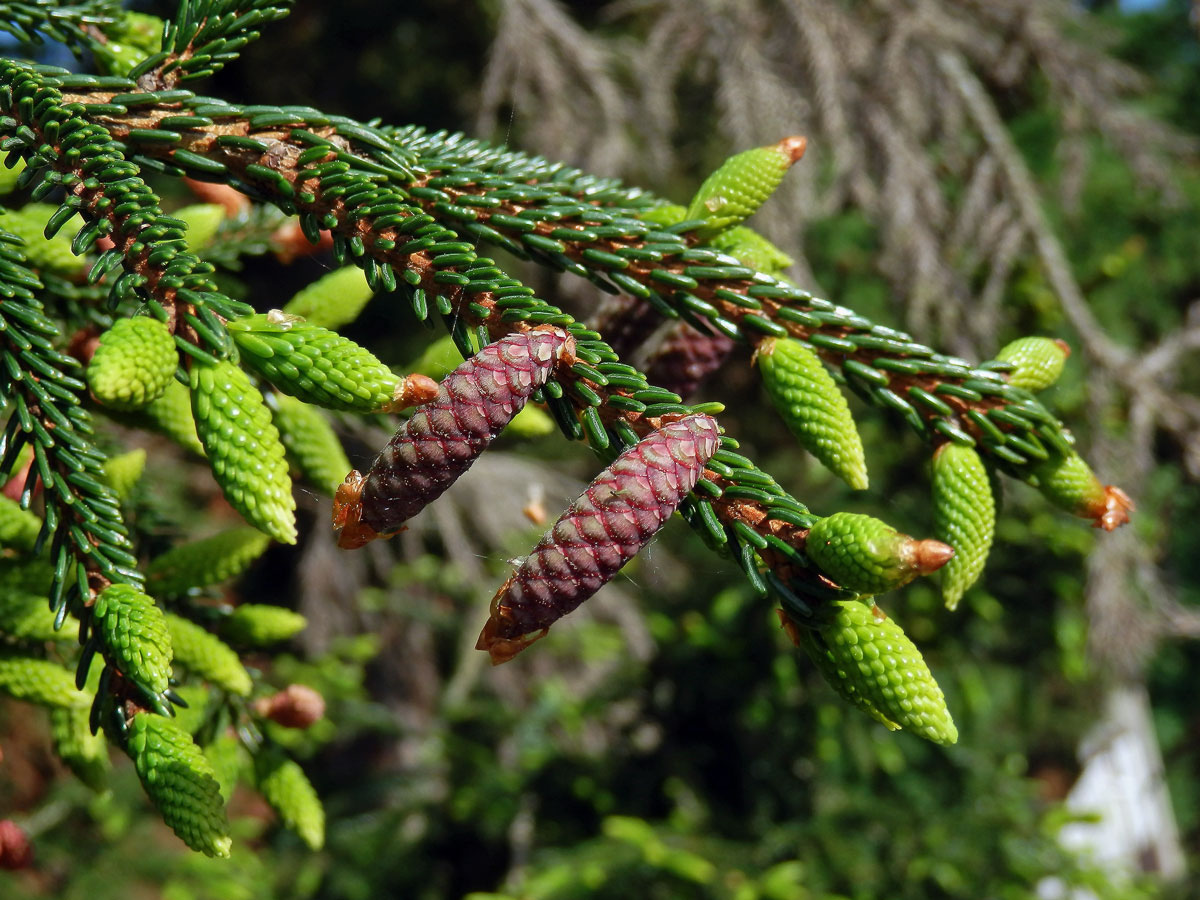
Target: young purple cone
x=685 y=358
x=602 y=530
x=446 y=435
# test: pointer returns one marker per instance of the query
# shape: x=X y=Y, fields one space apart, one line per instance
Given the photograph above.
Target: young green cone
x=1038 y=360
x=18 y=527
x=260 y=624
x=24 y=586
x=813 y=407
x=207 y=656
x=243 y=447
x=964 y=516
x=122 y=472
x=438 y=359
x=229 y=761
x=1070 y=484
x=742 y=184
x=134 y=632
x=311 y=445
x=284 y=785
x=870 y=661
x=40 y=681
x=332 y=300
x=84 y=753
x=9 y=176
x=204 y=562
x=314 y=364
x=171 y=414
x=667 y=214
x=131 y=38
x=44 y=254
x=133 y=363
x=203 y=222
x=192 y=716
x=180 y=780
x=865 y=555
x=751 y=249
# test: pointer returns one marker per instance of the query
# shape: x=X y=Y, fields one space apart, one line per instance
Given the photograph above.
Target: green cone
x=964 y=516
x=438 y=360
x=40 y=681
x=229 y=760
x=211 y=560
x=203 y=222
x=135 y=636
x=1038 y=360
x=284 y=785
x=260 y=624
x=24 y=587
x=872 y=663
x=181 y=782
x=48 y=254
x=332 y=300
x=123 y=472
x=751 y=249
x=243 y=448
x=8 y=177
x=531 y=422
x=131 y=38
x=314 y=364
x=18 y=527
x=1070 y=484
x=742 y=184
x=311 y=445
x=667 y=214
x=191 y=717
x=868 y=556
x=207 y=656
x=813 y=407
x=133 y=364
x=84 y=753
x=171 y=414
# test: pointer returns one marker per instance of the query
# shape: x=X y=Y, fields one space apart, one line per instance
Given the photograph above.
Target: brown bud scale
x=602 y=530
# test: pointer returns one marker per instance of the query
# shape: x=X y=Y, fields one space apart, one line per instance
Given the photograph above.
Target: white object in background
x=1122 y=785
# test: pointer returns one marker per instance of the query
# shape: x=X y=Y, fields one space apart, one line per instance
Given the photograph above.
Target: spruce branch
x=410 y=208
x=205 y=35
x=313 y=173
x=35 y=21
x=89 y=544
x=392 y=212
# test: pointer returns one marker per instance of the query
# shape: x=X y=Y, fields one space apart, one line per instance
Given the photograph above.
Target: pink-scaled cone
x=445 y=436
x=601 y=531
x=685 y=358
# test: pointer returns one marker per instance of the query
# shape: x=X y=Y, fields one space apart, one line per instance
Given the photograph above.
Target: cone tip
x=930 y=555
x=1117 y=507
x=793 y=147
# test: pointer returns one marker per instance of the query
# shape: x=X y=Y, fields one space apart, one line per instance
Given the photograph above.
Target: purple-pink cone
x=602 y=530
x=685 y=358
x=445 y=436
